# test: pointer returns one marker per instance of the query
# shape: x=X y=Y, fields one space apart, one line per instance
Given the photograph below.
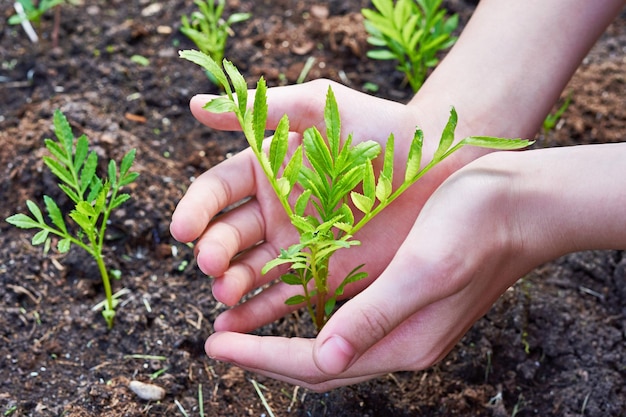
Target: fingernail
x=335 y=355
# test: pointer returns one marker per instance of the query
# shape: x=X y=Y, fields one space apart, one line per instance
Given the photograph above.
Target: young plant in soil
x=94 y=200
x=325 y=174
x=411 y=32
x=208 y=29
x=33 y=13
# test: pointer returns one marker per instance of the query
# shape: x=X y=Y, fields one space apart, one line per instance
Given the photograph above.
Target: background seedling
x=94 y=200
x=27 y=11
x=411 y=32
x=208 y=29
x=552 y=119
x=324 y=172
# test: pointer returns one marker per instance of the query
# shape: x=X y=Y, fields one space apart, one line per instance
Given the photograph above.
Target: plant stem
x=109 y=310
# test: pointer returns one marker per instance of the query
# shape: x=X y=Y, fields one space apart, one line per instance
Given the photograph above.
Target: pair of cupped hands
x=437 y=258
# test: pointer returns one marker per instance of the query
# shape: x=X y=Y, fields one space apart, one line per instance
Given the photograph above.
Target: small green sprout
x=325 y=173
x=208 y=30
x=411 y=32
x=94 y=200
x=551 y=120
x=34 y=12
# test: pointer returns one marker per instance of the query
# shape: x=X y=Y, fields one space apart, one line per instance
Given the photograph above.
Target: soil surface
x=554 y=344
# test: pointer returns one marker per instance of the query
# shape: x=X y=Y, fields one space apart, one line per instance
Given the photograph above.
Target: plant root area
x=553 y=345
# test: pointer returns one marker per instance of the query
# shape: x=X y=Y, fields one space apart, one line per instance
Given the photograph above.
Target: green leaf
x=344 y=184
x=381 y=55
x=57 y=151
x=88 y=172
x=112 y=172
x=220 y=105
x=64 y=245
x=303 y=224
x=82 y=221
x=415 y=156
x=496 y=143
x=63 y=131
x=369 y=181
x=283 y=187
x=291 y=279
x=119 y=200
x=388 y=160
x=239 y=83
x=279 y=145
x=70 y=193
x=361 y=202
x=447 y=136
x=383 y=188
x=22 y=221
x=295 y=300
x=206 y=62
x=59 y=171
x=54 y=213
x=34 y=209
x=317 y=152
x=333 y=123
x=259 y=114
x=302 y=202
x=292 y=170
x=40 y=237
x=329 y=306
x=127 y=162
x=86 y=209
x=94 y=189
x=82 y=149
x=128 y=178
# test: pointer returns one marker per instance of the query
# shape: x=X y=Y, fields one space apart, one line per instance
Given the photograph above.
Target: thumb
x=302 y=103
x=415 y=278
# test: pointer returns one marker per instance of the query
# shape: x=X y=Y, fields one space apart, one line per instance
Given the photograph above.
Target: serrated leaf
x=362 y=202
x=82 y=149
x=447 y=136
x=70 y=193
x=64 y=245
x=59 y=170
x=388 y=158
x=333 y=123
x=54 y=213
x=302 y=202
x=206 y=62
x=279 y=145
x=292 y=170
x=94 y=189
x=291 y=279
x=34 y=209
x=40 y=237
x=119 y=200
x=239 y=83
x=344 y=184
x=220 y=105
x=383 y=188
x=22 y=221
x=496 y=143
x=295 y=300
x=85 y=208
x=88 y=172
x=303 y=224
x=127 y=162
x=259 y=114
x=128 y=178
x=63 y=131
x=415 y=156
x=82 y=221
x=112 y=172
x=317 y=152
x=57 y=151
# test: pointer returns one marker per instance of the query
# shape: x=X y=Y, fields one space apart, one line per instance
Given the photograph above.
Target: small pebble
x=148 y=392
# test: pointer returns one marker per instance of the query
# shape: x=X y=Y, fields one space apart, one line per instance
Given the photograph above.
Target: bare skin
x=457 y=239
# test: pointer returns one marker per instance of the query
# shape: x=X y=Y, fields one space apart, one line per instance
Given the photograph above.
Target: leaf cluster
x=94 y=198
x=411 y=32
x=208 y=29
x=324 y=174
x=33 y=12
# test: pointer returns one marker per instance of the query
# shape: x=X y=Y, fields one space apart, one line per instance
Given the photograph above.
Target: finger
x=213 y=191
x=280 y=101
x=227 y=235
x=285 y=359
x=416 y=277
x=244 y=275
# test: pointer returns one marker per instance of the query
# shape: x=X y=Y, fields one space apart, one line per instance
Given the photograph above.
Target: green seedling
x=322 y=177
x=94 y=200
x=411 y=32
x=208 y=29
x=27 y=12
x=551 y=120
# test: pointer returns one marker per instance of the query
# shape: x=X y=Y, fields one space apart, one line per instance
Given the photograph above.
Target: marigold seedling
x=411 y=32
x=208 y=29
x=328 y=210
x=94 y=200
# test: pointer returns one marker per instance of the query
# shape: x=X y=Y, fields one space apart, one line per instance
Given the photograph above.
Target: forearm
x=568 y=199
x=512 y=61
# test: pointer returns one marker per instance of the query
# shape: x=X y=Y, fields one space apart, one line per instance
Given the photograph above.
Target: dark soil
x=554 y=344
